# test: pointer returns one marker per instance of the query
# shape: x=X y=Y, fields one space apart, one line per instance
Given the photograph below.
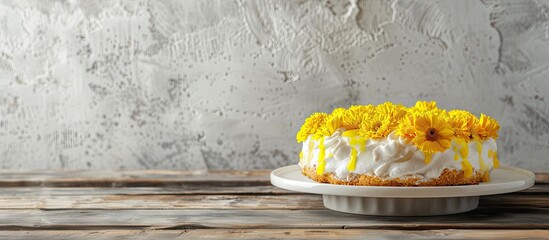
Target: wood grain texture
x=254 y=202
x=160 y=178
x=291 y=233
x=136 y=174
x=231 y=205
x=542 y=177
x=183 y=190
x=116 y=200
x=481 y=218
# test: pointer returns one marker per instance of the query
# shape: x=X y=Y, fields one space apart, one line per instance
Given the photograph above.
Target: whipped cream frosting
x=393 y=157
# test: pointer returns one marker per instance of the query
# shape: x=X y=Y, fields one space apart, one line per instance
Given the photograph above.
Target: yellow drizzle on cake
x=464 y=152
x=494 y=156
x=495 y=160
x=352 y=162
x=350 y=133
x=355 y=140
x=428 y=157
x=467 y=168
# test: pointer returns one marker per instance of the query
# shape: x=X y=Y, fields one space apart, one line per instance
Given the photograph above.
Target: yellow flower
x=375 y=127
x=433 y=133
x=332 y=123
x=486 y=127
x=338 y=111
x=311 y=125
x=406 y=126
x=429 y=128
x=462 y=123
x=353 y=116
x=424 y=106
x=395 y=112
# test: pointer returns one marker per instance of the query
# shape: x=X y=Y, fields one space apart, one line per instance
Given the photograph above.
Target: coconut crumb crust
x=449 y=177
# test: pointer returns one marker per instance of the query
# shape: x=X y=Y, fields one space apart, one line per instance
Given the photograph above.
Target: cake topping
x=311 y=126
x=424 y=125
x=391 y=141
x=432 y=132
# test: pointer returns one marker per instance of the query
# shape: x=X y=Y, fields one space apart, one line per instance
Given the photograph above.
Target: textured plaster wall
x=226 y=84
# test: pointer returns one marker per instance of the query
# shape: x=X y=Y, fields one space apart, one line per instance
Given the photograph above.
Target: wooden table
x=231 y=204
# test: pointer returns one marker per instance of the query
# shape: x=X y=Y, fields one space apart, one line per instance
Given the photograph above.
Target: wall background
x=226 y=84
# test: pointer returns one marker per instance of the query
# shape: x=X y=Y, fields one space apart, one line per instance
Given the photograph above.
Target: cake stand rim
x=523 y=179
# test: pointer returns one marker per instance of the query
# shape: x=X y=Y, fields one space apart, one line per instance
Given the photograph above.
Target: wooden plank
x=129 y=182
x=146 y=178
x=185 y=190
x=304 y=234
x=150 y=178
x=542 y=177
x=538 y=188
x=142 y=174
x=482 y=218
x=259 y=202
x=515 y=200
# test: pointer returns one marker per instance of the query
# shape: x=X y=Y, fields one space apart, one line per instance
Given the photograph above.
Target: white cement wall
x=226 y=84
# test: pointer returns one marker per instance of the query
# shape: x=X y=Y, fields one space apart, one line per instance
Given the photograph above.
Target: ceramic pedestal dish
x=404 y=201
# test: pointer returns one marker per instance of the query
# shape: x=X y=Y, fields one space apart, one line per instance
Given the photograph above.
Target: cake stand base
x=400 y=206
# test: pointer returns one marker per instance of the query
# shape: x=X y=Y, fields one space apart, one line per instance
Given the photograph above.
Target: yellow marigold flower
x=376 y=126
x=462 y=123
x=469 y=117
x=459 y=125
x=353 y=116
x=395 y=112
x=486 y=127
x=433 y=133
x=338 y=111
x=424 y=106
x=406 y=126
x=311 y=125
x=363 y=108
x=332 y=123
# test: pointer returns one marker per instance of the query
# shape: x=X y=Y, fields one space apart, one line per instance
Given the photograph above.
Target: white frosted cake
x=391 y=145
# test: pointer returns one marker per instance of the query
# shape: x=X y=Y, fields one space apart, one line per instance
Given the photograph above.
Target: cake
x=393 y=145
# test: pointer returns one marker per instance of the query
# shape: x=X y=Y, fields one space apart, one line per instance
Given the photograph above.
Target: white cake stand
x=404 y=201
